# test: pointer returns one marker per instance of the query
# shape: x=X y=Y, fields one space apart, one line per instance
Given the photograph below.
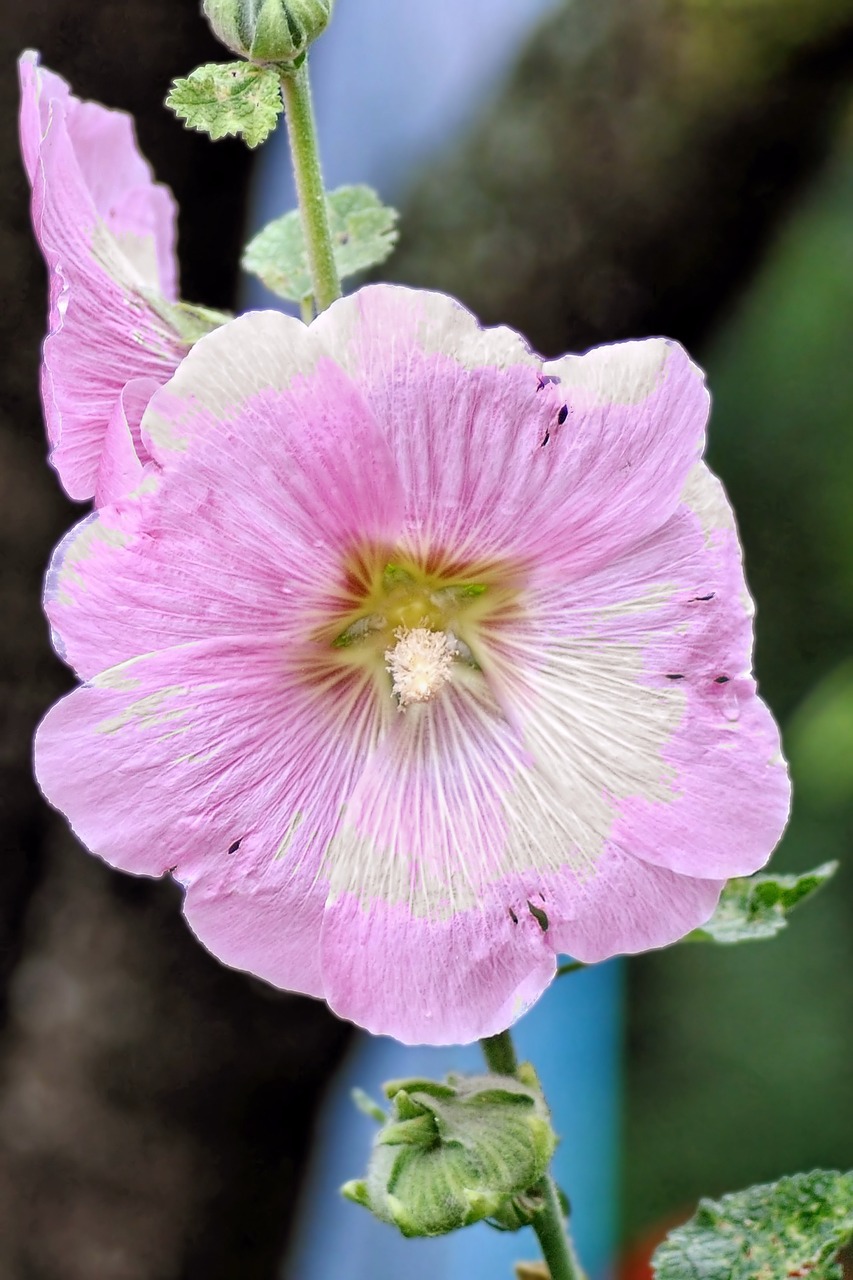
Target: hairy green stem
x=499 y=1052
x=553 y=1234
x=549 y=1223
x=302 y=133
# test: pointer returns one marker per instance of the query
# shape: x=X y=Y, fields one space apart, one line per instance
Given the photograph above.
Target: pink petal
x=417 y=939
x=108 y=236
x=729 y=787
x=39 y=87
x=139 y=213
x=460 y=407
x=637 y=681
x=556 y=467
x=220 y=762
x=427 y=981
x=124 y=456
x=633 y=430
x=428 y=823
x=624 y=907
x=269 y=475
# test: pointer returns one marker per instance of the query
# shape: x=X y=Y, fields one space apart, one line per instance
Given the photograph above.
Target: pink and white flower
x=107 y=232
x=418 y=662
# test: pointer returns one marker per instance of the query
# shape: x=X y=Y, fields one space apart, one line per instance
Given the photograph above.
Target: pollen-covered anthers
x=420 y=664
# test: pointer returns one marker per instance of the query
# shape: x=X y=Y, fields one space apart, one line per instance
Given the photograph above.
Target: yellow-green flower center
x=411 y=622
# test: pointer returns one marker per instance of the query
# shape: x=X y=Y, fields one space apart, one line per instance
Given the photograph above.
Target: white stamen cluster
x=420 y=664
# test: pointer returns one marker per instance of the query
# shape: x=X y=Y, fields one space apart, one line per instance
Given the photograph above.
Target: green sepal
x=193 y=322
x=356 y=1191
x=189 y=321
x=460 y=1151
x=794 y=1227
x=367 y=1106
x=415 y=1131
x=757 y=907
x=363 y=231
x=402 y=1089
x=229 y=98
x=519 y=1211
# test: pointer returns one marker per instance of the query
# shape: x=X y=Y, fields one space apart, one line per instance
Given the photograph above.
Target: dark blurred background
x=676 y=166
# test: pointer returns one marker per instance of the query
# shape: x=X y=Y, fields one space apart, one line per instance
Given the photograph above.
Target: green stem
x=571 y=966
x=499 y=1052
x=553 y=1234
x=302 y=133
x=549 y=1223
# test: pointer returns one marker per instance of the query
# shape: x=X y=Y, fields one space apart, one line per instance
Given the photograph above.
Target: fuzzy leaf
x=758 y=906
x=223 y=98
x=364 y=232
x=794 y=1227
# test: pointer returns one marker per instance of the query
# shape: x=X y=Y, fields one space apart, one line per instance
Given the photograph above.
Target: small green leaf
x=223 y=98
x=758 y=906
x=794 y=1227
x=364 y=232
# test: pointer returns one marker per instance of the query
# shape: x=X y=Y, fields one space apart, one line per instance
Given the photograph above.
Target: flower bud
x=268 y=31
x=455 y=1153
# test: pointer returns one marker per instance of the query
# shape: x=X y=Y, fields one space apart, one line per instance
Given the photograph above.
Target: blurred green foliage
x=741 y=1059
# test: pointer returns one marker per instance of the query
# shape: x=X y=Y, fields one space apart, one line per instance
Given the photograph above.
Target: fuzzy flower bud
x=268 y=31
x=455 y=1153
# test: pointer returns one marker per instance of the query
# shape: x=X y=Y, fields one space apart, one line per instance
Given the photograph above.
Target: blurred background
x=584 y=171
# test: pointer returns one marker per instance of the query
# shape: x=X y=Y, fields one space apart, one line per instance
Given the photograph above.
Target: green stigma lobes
x=403 y=597
x=416 y=622
x=270 y=32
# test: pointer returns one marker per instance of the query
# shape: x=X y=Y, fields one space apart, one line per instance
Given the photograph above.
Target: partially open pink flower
x=419 y=662
x=107 y=232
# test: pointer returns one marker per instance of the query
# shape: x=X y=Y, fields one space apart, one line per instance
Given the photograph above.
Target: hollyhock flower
x=107 y=232
x=418 y=662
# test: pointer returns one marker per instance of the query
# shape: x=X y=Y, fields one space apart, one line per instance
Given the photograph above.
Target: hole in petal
x=513 y=917
x=563 y=414
x=721 y=680
x=232 y=848
x=693 y=599
x=675 y=676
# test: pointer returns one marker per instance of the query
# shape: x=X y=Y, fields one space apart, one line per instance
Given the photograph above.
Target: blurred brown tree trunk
x=155 y=1108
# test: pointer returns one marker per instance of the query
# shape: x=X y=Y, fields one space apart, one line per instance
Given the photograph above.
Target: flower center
x=409 y=620
x=420 y=664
